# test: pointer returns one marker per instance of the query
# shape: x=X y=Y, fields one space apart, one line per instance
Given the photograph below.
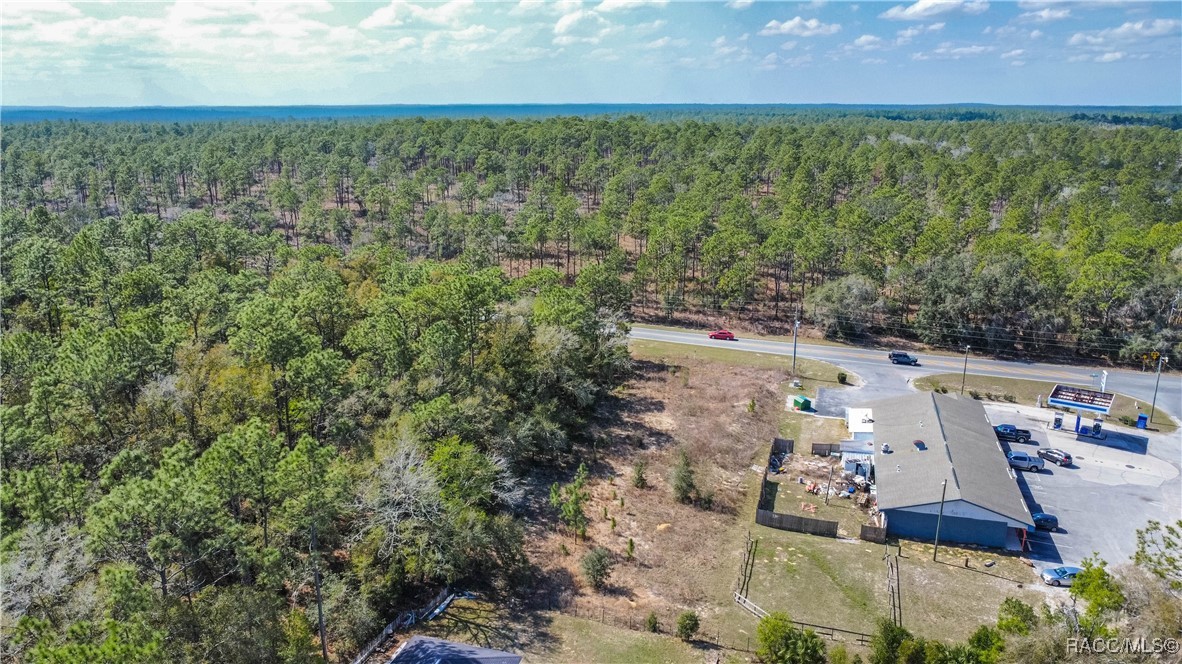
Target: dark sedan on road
x=1044 y=521
x=1011 y=433
x=1055 y=456
x=899 y=357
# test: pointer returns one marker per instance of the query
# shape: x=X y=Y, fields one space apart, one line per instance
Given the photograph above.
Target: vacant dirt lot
x=723 y=416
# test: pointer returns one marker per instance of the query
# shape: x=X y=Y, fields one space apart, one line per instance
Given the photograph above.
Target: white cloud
x=624 y=5
x=788 y=45
x=799 y=27
x=948 y=51
x=665 y=41
x=1045 y=15
x=773 y=60
x=1012 y=54
x=604 y=54
x=1111 y=56
x=1035 y=34
x=398 y=12
x=740 y=4
x=726 y=51
x=867 y=43
x=925 y=9
x=581 y=26
x=471 y=32
x=874 y=61
x=1130 y=32
x=905 y=35
x=1017 y=63
x=526 y=7
x=960 y=51
x=1077 y=4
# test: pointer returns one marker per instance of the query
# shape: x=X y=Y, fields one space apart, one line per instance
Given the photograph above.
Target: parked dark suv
x=1011 y=433
x=900 y=357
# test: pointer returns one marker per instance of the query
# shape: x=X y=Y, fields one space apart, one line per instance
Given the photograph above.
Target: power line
x=1103 y=342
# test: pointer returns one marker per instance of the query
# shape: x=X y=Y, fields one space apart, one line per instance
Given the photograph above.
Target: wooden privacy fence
x=876 y=530
x=799 y=524
x=873 y=534
x=825 y=449
x=765 y=514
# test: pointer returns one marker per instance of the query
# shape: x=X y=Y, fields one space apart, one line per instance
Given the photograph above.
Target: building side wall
x=961 y=530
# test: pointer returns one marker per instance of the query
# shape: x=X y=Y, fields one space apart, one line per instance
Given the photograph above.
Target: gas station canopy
x=1069 y=396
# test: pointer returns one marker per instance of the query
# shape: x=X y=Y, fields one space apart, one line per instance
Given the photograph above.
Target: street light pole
x=1153 y=407
x=939 y=518
x=795 y=330
x=965 y=373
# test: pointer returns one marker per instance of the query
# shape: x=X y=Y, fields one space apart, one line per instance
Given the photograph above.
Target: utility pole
x=965 y=373
x=319 y=603
x=939 y=518
x=795 y=330
x=829 y=485
x=1153 y=407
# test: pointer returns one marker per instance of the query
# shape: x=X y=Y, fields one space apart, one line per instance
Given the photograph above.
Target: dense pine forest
x=1040 y=238
x=255 y=372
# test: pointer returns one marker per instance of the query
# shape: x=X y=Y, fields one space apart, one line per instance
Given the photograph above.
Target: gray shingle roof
x=426 y=650
x=959 y=445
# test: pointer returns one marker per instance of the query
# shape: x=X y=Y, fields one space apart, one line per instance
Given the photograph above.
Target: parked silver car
x=1024 y=461
x=1060 y=576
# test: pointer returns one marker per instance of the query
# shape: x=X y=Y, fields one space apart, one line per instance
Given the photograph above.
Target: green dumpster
x=802 y=402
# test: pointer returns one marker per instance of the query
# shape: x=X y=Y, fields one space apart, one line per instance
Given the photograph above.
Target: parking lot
x=1113 y=487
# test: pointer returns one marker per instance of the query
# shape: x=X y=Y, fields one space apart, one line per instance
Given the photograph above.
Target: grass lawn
x=1027 y=391
x=842 y=583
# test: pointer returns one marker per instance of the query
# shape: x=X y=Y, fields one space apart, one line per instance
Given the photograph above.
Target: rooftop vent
x=920 y=445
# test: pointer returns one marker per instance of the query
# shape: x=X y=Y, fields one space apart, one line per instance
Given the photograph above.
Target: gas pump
x=1097 y=426
x=1058 y=423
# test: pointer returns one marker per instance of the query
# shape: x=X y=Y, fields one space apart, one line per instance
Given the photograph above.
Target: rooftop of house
x=427 y=650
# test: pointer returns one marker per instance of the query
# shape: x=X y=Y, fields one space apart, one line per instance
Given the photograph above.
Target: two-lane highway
x=860 y=360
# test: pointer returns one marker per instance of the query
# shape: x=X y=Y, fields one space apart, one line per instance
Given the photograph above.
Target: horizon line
x=584 y=103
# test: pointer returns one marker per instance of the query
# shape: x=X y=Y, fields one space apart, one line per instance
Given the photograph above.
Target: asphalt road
x=883 y=379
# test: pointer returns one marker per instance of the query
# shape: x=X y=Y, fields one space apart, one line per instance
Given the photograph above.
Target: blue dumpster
x=1142 y=420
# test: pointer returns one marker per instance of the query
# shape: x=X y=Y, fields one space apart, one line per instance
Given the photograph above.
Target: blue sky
x=572 y=51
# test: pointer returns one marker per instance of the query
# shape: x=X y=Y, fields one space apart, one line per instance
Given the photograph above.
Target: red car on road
x=722 y=334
